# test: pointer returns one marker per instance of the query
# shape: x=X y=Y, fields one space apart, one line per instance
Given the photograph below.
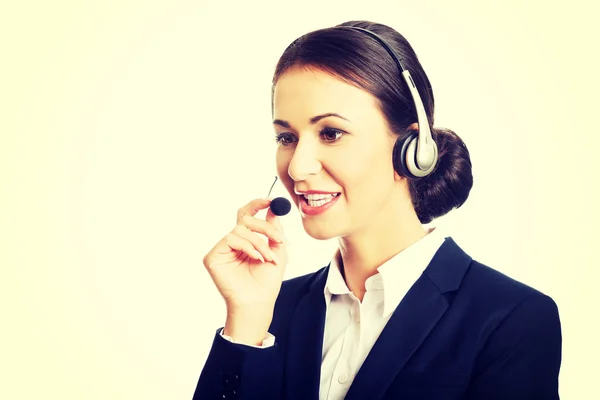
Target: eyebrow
x=313 y=120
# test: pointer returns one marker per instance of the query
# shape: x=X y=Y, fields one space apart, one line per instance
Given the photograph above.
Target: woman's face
x=348 y=154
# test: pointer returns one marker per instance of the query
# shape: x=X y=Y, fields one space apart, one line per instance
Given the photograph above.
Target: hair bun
x=449 y=185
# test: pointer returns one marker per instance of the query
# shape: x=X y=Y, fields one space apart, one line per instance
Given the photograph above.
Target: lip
x=305 y=209
x=301 y=192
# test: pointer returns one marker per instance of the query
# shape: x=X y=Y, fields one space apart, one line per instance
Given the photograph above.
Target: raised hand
x=247 y=266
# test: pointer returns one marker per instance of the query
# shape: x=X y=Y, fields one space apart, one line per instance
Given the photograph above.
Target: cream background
x=131 y=131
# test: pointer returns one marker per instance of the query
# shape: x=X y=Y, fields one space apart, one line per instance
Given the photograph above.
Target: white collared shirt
x=352 y=327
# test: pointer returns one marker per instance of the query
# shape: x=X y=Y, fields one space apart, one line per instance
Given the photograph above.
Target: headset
x=416 y=154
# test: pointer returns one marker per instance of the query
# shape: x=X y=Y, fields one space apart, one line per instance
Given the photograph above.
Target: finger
x=275 y=221
x=238 y=243
x=259 y=244
x=252 y=208
x=262 y=226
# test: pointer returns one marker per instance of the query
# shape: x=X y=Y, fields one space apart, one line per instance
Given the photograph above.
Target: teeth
x=319 y=196
x=317 y=200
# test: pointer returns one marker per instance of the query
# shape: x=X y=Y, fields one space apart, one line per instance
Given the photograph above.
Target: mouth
x=318 y=200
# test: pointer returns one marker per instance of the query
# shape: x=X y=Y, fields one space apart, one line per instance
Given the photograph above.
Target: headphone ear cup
x=401 y=152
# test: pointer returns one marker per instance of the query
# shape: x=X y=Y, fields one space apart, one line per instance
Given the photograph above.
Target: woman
x=400 y=312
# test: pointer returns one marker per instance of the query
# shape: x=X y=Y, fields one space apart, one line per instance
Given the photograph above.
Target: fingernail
x=275 y=259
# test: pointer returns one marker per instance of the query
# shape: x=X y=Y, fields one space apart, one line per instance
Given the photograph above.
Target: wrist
x=248 y=327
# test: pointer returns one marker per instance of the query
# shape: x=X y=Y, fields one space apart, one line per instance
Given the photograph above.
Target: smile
x=313 y=204
x=316 y=200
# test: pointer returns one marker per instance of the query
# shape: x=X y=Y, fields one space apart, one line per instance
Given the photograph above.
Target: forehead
x=303 y=93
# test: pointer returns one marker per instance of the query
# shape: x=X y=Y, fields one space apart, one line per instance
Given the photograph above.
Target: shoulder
x=499 y=299
x=477 y=290
x=484 y=282
x=517 y=332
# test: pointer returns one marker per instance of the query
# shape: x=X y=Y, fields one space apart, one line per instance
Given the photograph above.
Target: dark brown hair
x=360 y=60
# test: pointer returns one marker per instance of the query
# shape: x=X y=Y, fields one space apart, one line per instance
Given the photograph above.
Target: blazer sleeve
x=522 y=357
x=234 y=371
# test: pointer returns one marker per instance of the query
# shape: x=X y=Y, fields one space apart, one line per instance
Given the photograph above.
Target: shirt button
x=343 y=378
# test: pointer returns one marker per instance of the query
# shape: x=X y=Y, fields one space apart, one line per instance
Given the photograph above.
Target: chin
x=319 y=231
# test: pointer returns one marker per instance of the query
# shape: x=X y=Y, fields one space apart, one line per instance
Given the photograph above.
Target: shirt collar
x=335 y=284
x=395 y=277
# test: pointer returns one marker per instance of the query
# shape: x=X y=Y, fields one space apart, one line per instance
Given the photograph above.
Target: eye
x=331 y=134
x=284 y=139
x=328 y=135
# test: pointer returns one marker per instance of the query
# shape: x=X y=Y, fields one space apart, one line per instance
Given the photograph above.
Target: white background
x=132 y=131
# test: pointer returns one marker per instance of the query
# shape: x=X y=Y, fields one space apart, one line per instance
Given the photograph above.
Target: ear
x=397 y=176
x=412 y=127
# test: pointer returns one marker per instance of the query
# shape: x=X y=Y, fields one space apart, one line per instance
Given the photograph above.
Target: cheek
x=365 y=175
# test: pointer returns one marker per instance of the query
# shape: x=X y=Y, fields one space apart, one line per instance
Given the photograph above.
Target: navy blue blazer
x=463 y=331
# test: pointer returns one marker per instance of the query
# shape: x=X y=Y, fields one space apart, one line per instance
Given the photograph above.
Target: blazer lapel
x=416 y=315
x=305 y=343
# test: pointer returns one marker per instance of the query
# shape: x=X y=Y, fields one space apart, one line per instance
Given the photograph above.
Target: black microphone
x=280 y=206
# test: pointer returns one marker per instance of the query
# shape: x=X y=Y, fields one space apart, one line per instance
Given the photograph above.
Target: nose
x=305 y=161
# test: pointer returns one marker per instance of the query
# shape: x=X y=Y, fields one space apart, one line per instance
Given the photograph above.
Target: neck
x=366 y=250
